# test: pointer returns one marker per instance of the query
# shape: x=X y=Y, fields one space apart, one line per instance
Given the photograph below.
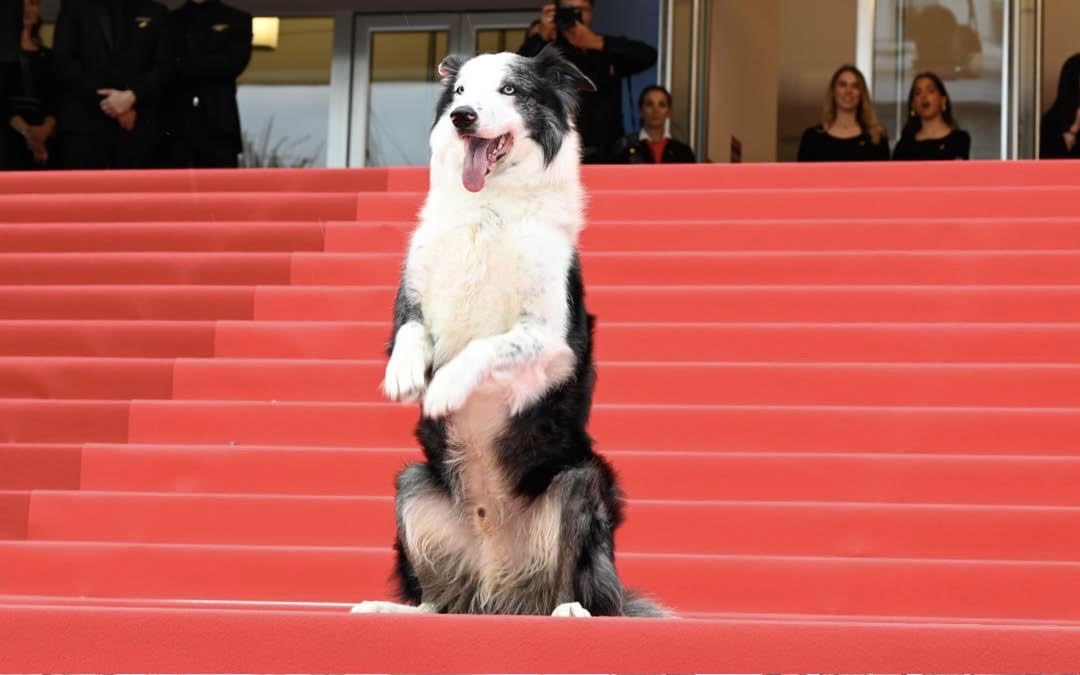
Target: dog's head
x=495 y=109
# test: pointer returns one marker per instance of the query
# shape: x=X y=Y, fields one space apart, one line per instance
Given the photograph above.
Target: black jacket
x=212 y=48
x=957 y=145
x=817 y=145
x=631 y=149
x=90 y=55
x=1052 y=138
x=600 y=121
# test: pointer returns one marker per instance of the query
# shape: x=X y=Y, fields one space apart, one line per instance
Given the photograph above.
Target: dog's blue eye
x=508 y=89
x=460 y=89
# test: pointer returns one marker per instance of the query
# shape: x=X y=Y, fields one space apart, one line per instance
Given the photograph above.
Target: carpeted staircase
x=844 y=402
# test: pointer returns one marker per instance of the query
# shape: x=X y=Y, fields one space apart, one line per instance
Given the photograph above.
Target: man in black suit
x=113 y=62
x=212 y=46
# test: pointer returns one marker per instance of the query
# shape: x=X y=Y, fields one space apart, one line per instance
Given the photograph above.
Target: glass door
x=395 y=85
x=966 y=43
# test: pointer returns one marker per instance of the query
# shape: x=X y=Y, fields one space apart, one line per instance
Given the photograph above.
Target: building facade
x=352 y=82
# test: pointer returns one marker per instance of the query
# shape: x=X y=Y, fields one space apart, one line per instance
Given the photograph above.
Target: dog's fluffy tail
x=636 y=604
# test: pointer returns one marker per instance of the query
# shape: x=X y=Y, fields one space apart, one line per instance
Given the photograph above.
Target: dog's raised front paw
x=449 y=389
x=406 y=372
x=571 y=609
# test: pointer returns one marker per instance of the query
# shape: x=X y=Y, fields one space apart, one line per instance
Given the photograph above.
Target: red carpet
x=844 y=403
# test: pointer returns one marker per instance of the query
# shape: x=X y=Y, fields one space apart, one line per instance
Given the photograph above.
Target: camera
x=566 y=17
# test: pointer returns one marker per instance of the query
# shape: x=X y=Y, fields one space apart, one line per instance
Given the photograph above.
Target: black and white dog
x=513 y=512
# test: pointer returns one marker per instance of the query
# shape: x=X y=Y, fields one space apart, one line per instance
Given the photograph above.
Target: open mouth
x=481 y=156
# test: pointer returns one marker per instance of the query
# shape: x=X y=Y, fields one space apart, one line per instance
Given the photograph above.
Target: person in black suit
x=113 y=60
x=27 y=98
x=212 y=48
x=606 y=59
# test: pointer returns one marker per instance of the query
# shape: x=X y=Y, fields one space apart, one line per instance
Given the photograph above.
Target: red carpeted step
x=172 y=207
x=736 y=528
x=14 y=514
x=794 y=175
x=161 y=236
x=81 y=378
x=857 y=304
x=146 y=268
x=711 y=428
x=108 y=339
x=160 y=303
x=852 y=477
x=302 y=340
x=244 y=469
x=832 y=234
x=201 y=180
x=758 y=584
x=696 y=268
x=619 y=382
x=37 y=421
x=958 y=343
x=772 y=202
x=45 y=467
x=204 y=638
x=839 y=342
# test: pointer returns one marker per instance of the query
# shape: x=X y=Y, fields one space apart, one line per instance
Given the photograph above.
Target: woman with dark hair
x=1061 y=123
x=849 y=130
x=653 y=144
x=931 y=131
x=27 y=102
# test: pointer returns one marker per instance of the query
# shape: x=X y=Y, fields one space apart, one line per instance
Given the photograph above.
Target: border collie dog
x=512 y=512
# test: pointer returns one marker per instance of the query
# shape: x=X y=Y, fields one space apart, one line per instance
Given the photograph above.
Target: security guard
x=212 y=48
x=112 y=61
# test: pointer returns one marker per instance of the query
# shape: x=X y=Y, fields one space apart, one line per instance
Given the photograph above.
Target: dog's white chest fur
x=477 y=273
x=471 y=284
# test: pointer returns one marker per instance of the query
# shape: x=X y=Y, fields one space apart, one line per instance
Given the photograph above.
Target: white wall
x=1061 y=39
x=744 y=63
x=816 y=38
x=770 y=64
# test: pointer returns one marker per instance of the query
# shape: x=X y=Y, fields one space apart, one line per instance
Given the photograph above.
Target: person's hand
x=547 y=29
x=37 y=136
x=116 y=102
x=582 y=37
x=37 y=148
x=127 y=120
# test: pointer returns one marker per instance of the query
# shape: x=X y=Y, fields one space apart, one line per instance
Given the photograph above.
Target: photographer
x=605 y=59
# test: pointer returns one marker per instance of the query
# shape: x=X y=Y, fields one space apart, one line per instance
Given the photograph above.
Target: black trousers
x=109 y=149
x=194 y=144
x=15 y=156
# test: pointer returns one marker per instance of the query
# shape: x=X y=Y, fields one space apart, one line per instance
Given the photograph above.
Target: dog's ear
x=449 y=68
x=552 y=65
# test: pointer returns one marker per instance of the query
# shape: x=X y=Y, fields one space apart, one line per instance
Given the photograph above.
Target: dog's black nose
x=463 y=117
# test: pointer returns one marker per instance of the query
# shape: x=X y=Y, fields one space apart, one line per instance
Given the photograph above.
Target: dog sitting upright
x=513 y=512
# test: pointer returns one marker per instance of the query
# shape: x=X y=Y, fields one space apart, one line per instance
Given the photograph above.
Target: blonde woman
x=850 y=131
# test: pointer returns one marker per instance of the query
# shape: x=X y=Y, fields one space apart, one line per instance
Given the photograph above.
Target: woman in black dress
x=931 y=131
x=27 y=99
x=849 y=131
x=1061 y=123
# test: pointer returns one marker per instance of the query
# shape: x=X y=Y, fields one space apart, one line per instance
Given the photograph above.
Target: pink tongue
x=476 y=164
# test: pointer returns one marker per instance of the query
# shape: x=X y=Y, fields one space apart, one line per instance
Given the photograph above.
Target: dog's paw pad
x=571 y=609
